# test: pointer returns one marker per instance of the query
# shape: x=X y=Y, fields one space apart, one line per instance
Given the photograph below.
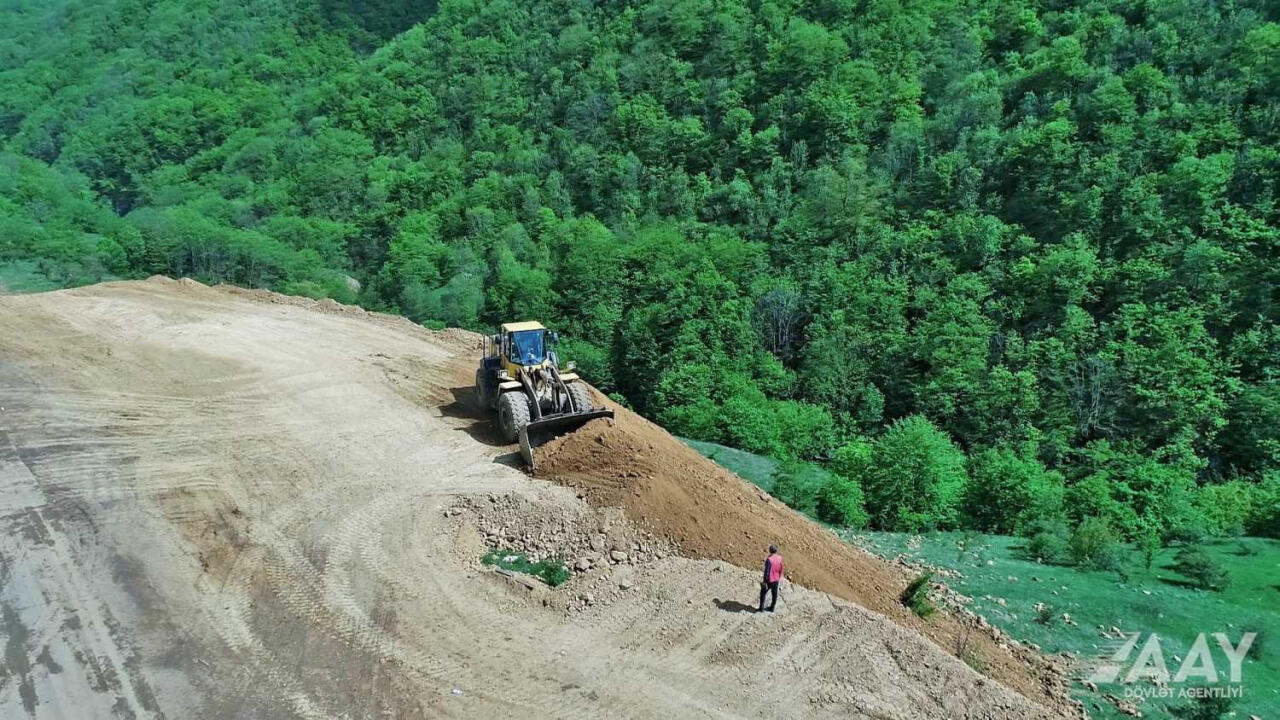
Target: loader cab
x=527 y=347
x=523 y=345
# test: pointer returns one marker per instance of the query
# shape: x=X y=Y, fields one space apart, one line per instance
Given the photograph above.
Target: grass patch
x=551 y=571
x=916 y=596
x=1146 y=602
x=798 y=484
x=756 y=469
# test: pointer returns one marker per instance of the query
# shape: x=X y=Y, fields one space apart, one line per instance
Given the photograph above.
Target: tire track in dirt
x=51 y=572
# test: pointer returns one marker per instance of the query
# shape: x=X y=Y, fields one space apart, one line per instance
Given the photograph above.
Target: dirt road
x=225 y=504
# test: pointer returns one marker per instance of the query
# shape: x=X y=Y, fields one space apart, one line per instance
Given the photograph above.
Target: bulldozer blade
x=541 y=431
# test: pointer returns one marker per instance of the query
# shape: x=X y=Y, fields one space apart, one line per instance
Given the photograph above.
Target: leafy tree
x=841 y=502
x=1096 y=545
x=1008 y=492
x=914 y=479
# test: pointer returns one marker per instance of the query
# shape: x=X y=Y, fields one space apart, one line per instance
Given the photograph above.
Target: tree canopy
x=1043 y=234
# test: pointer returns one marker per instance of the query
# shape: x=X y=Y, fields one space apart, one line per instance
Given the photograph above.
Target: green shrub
x=914 y=479
x=1264 y=507
x=1225 y=508
x=1188 y=534
x=1201 y=568
x=916 y=596
x=1148 y=542
x=840 y=502
x=1096 y=545
x=1049 y=542
x=1007 y=491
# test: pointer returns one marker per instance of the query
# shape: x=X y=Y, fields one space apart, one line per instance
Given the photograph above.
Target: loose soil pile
x=709 y=512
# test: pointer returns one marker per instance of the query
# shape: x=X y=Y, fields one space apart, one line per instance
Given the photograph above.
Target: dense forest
x=1009 y=265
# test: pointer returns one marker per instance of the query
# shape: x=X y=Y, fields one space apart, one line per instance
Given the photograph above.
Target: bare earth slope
x=218 y=503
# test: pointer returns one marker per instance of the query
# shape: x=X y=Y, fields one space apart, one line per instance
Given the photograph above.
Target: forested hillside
x=994 y=263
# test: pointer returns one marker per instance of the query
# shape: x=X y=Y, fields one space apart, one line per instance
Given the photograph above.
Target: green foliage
x=914 y=478
x=1264 y=512
x=1097 y=546
x=916 y=596
x=1049 y=541
x=800 y=486
x=551 y=571
x=1201 y=568
x=841 y=502
x=777 y=227
x=1008 y=492
x=1225 y=508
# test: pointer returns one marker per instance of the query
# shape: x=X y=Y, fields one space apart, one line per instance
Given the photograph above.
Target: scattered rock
x=617 y=556
x=583 y=564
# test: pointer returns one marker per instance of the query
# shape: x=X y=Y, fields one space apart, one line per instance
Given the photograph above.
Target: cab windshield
x=527 y=347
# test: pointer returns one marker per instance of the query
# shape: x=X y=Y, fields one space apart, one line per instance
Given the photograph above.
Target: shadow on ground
x=466 y=406
x=733 y=606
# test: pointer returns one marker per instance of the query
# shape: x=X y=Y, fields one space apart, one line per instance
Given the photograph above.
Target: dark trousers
x=765 y=589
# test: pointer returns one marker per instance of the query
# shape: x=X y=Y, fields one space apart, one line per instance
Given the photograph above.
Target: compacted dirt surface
x=220 y=503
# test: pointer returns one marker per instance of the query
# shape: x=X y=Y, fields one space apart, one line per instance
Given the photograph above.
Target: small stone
x=617 y=556
x=583 y=564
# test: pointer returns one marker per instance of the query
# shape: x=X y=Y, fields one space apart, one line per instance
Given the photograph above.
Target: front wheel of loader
x=581 y=396
x=513 y=414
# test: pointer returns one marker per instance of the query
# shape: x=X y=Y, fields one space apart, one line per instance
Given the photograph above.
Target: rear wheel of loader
x=482 y=388
x=581 y=396
x=513 y=414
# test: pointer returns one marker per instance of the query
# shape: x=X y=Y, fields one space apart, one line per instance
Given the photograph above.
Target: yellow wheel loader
x=519 y=377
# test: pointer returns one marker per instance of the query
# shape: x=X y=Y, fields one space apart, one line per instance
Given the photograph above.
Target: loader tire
x=513 y=414
x=482 y=390
x=581 y=396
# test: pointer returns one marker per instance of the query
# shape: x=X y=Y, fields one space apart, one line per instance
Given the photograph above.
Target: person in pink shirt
x=772 y=576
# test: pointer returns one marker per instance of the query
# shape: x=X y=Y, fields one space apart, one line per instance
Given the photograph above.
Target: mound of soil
x=676 y=493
